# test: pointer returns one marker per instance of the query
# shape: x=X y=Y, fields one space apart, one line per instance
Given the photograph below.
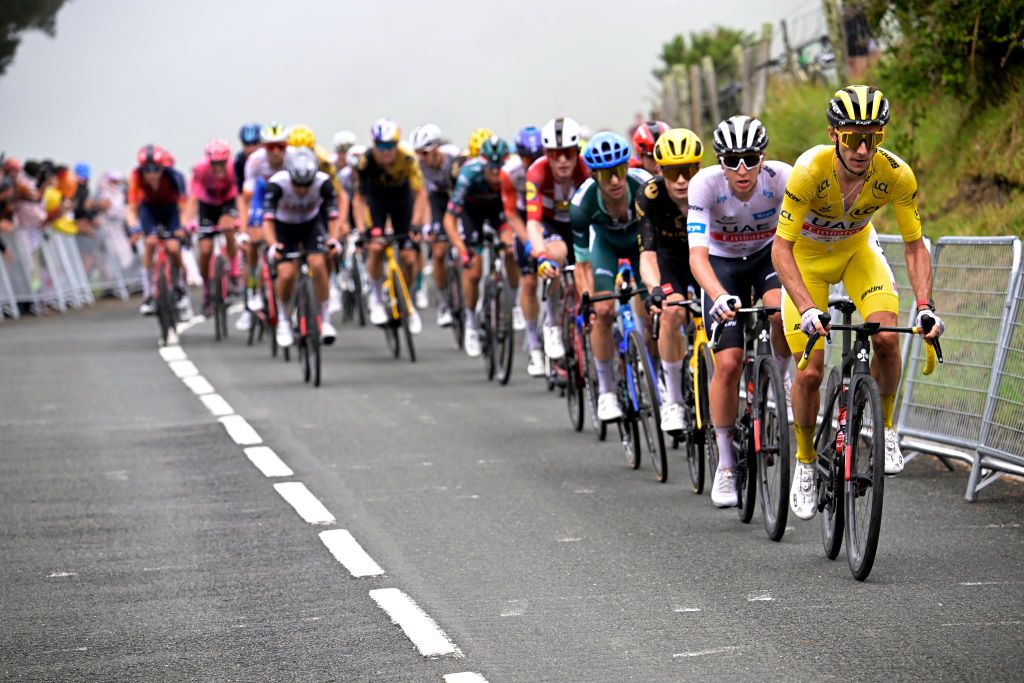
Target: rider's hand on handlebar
x=274 y=252
x=929 y=324
x=724 y=307
x=466 y=257
x=656 y=300
x=546 y=268
x=334 y=246
x=810 y=322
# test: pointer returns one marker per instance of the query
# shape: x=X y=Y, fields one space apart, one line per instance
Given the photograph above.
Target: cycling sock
x=251 y=281
x=888 y=406
x=325 y=313
x=805 y=443
x=532 y=338
x=146 y=284
x=551 y=307
x=723 y=436
x=673 y=380
x=375 y=290
x=604 y=375
x=419 y=280
x=470 y=318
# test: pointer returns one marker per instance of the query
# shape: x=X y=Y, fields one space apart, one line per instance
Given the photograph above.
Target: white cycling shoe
x=608 y=408
x=378 y=316
x=803 y=497
x=444 y=317
x=471 y=343
x=184 y=305
x=148 y=307
x=518 y=319
x=415 y=322
x=893 y=454
x=244 y=321
x=553 y=347
x=422 y=298
x=328 y=333
x=284 y=333
x=723 y=490
x=672 y=417
x=535 y=368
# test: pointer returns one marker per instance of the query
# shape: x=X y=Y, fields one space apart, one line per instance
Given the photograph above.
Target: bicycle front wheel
x=648 y=412
x=600 y=428
x=504 y=335
x=218 y=296
x=453 y=292
x=828 y=475
x=705 y=371
x=403 y=316
x=574 y=379
x=312 y=332
x=866 y=483
x=772 y=440
x=693 y=435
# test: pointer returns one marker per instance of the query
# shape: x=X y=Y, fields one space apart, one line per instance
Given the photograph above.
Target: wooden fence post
x=740 y=55
x=761 y=76
x=707 y=65
x=679 y=75
x=790 y=65
x=836 y=36
x=696 y=106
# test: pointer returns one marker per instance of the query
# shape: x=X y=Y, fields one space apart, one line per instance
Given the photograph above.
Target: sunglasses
x=385 y=146
x=605 y=175
x=854 y=140
x=277 y=146
x=733 y=161
x=566 y=153
x=672 y=173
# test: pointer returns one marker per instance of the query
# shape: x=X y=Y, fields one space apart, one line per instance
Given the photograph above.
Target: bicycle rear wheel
x=504 y=335
x=403 y=316
x=705 y=371
x=828 y=475
x=487 y=329
x=574 y=379
x=772 y=434
x=165 y=305
x=453 y=293
x=600 y=428
x=312 y=331
x=746 y=469
x=218 y=295
x=866 y=484
x=693 y=435
x=647 y=411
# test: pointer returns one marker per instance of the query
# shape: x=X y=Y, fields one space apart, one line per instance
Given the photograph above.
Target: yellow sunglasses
x=854 y=140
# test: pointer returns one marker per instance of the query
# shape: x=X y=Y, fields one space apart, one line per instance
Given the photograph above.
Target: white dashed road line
x=169 y=353
x=423 y=631
x=464 y=677
x=347 y=550
x=702 y=653
x=216 y=405
x=198 y=384
x=305 y=503
x=240 y=431
x=183 y=368
x=267 y=462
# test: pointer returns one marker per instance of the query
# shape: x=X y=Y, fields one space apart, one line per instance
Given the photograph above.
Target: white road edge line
x=267 y=462
x=423 y=631
x=217 y=405
x=464 y=677
x=712 y=651
x=305 y=503
x=169 y=353
x=198 y=384
x=196 y=319
x=183 y=368
x=240 y=431
x=346 y=549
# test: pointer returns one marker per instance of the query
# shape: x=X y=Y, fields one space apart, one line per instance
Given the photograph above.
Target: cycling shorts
x=394 y=203
x=438 y=207
x=162 y=216
x=311 y=236
x=674 y=265
x=606 y=248
x=527 y=264
x=863 y=270
x=747 y=277
x=210 y=215
x=472 y=224
x=560 y=231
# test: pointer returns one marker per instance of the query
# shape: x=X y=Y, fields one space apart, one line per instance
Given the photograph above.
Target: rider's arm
x=509 y=196
x=919 y=263
x=647 y=240
x=534 y=208
x=421 y=207
x=343 y=225
x=451 y=228
x=272 y=197
x=791 y=220
x=329 y=207
x=698 y=230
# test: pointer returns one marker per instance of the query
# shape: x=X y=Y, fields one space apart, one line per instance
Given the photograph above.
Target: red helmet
x=646 y=135
x=152 y=158
x=218 y=151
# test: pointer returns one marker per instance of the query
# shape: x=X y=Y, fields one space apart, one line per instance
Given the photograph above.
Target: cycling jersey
x=513 y=184
x=208 y=188
x=403 y=173
x=473 y=192
x=546 y=199
x=284 y=205
x=438 y=179
x=239 y=168
x=812 y=209
x=258 y=166
x=662 y=229
x=168 y=192
x=728 y=226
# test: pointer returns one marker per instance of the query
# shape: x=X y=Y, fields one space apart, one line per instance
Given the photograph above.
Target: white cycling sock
x=324 y=312
x=532 y=338
x=723 y=436
x=605 y=375
x=376 y=291
x=673 y=380
x=552 y=307
x=470 y=318
x=146 y=284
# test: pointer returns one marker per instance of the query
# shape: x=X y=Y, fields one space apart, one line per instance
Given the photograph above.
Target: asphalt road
x=139 y=542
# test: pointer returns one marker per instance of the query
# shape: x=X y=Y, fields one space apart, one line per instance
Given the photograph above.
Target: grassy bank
x=969 y=162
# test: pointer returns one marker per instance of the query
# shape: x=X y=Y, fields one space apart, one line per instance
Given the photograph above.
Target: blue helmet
x=249 y=134
x=606 y=150
x=82 y=170
x=530 y=142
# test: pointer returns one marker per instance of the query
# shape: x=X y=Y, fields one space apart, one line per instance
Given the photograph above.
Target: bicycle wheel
x=746 y=468
x=218 y=295
x=487 y=325
x=312 y=331
x=866 y=485
x=645 y=401
x=165 y=305
x=705 y=371
x=453 y=292
x=772 y=436
x=629 y=430
x=828 y=474
x=692 y=435
x=600 y=428
x=403 y=316
x=504 y=335
x=358 y=295
x=574 y=379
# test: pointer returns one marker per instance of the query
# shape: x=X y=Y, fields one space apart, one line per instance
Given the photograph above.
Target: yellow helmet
x=678 y=146
x=301 y=135
x=858 y=105
x=477 y=138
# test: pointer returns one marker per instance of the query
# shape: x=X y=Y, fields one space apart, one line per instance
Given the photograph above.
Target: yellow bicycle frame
x=393 y=268
x=700 y=339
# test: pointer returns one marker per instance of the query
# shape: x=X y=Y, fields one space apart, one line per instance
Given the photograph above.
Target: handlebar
x=933 y=350
x=656 y=319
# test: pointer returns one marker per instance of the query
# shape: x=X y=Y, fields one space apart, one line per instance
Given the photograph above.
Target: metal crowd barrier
x=943 y=414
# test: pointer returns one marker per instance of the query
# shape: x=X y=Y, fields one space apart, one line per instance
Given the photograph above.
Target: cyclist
x=645 y=137
x=261 y=164
x=249 y=136
x=436 y=162
x=344 y=140
x=551 y=182
x=388 y=182
x=733 y=212
x=299 y=206
x=529 y=148
x=664 y=256
x=825 y=236
x=605 y=230
x=212 y=205
x=301 y=135
x=476 y=201
x=156 y=198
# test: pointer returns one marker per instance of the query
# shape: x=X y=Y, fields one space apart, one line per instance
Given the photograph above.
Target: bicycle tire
x=746 y=469
x=487 y=329
x=301 y=334
x=830 y=488
x=692 y=434
x=165 y=305
x=218 y=294
x=600 y=428
x=403 y=317
x=574 y=380
x=705 y=371
x=772 y=470
x=312 y=331
x=453 y=293
x=505 y=335
x=357 y=293
x=865 y=488
x=629 y=431
x=647 y=410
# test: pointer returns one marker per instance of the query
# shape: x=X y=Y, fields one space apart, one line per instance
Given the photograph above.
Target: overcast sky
x=121 y=73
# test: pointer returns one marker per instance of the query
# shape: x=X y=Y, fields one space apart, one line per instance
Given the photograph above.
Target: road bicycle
x=453 y=295
x=265 y=318
x=569 y=372
x=849 y=442
x=218 y=272
x=306 y=319
x=350 y=278
x=164 y=277
x=637 y=384
x=397 y=302
x=496 y=334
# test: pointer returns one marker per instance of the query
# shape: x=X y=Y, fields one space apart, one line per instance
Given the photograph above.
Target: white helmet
x=354 y=152
x=344 y=138
x=560 y=133
x=427 y=135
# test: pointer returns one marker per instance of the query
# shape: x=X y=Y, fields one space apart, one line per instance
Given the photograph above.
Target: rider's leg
x=601 y=341
x=530 y=304
x=780 y=349
x=725 y=400
x=672 y=348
